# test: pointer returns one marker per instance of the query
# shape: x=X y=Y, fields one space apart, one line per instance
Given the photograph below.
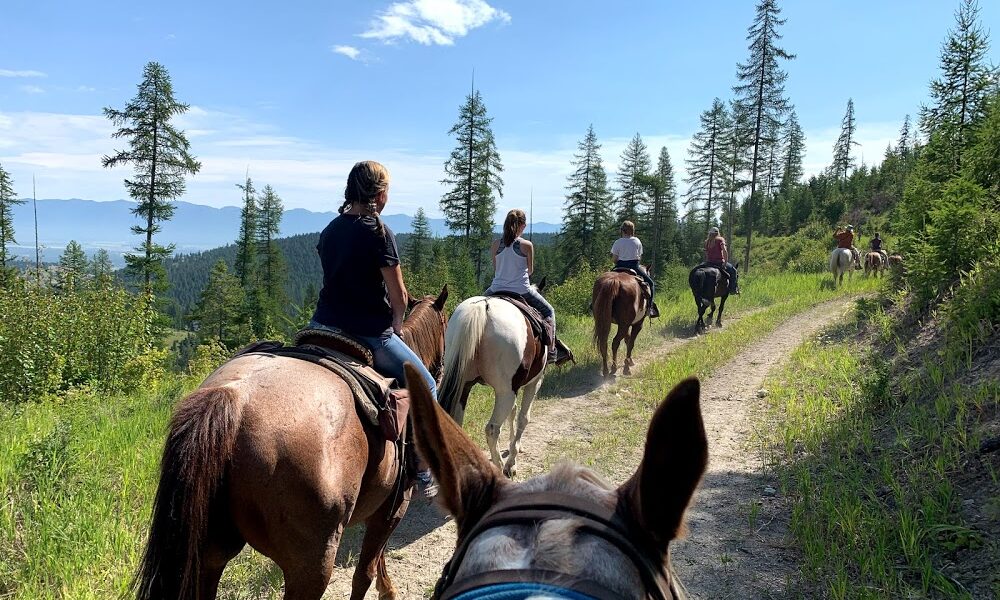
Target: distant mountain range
x=194 y=228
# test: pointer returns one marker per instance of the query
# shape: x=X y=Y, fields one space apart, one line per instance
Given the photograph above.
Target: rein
x=531 y=510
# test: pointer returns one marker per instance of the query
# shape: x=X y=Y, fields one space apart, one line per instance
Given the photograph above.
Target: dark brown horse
x=567 y=529
x=707 y=283
x=270 y=451
x=617 y=298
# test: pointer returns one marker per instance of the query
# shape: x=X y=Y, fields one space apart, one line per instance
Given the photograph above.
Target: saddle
x=376 y=398
x=638 y=278
x=707 y=265
x=539 y=326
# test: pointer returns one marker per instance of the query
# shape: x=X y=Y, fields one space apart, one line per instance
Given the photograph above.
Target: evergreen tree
x=634 y=167
x=7 y=201
x=761 y=93
x=906 y=142
x=100 y=268
x=73 y=266
x=775 y=158
x=661 y=213
x=586 y=212
x=795 y=147
x=707 y=169
x=271 y=261
x=159 y=152
x=420 y=242
x=735 y=143
x=217 y=311
x=842 y=160
x=246 y=249
x=959 y=98
x=472 y=173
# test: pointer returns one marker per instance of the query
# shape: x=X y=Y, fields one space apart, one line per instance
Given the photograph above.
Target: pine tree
x=661 y=212
x=418 y=252
x=473 y=174
x=634 y=167
x=160 y=155
x=217 y=310
x=774 y=145
x=271 y=261
x=586 y=212
x=73 y=266
x=795 y=147
x=7 y=201
x=906 y=142
x=707 y=169
x=761 y=92
x=842 y=160
x=960 y=97
x=100 y=268
x=735 y=144
x=246 y=250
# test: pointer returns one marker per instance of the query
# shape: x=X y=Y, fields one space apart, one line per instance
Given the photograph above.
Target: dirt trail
x=737 y=541
x=723 y=552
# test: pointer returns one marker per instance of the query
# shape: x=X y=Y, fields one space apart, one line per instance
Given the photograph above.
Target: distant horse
x=617 y=298
x=567 y=533
x=707 y=284
x=895 y=260
x=270 y=451
x=873 y=264
x=490 y=341
x=841 y=261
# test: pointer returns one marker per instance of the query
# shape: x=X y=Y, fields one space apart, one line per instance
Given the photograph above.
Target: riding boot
x=561 y=354
x=653 y=310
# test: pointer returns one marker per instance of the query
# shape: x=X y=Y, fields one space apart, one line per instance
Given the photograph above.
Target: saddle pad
x=539 y=326
x=335 y=340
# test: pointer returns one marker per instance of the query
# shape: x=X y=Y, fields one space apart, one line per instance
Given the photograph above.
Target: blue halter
x=522 y=591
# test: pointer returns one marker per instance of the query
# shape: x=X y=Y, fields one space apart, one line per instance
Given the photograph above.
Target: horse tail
x=603 y=299
x=199 y=446
x=465 y=330
x=697 y=280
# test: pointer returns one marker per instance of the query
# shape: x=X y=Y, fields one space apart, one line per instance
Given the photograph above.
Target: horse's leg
x=629 y=344
x=371 y=560
x=503 y=406
x=602 y=347
x=722 y=307
x=620 y=334
x=523 y=418
x=308 y=577
x=223 y=544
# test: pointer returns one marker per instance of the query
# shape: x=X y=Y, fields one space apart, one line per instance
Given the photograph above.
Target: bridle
x=590 y=517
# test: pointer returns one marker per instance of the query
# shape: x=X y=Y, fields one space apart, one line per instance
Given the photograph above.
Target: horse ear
x=469 y=483
x=543 y=283
x=411 y=302
x=672 y=465
x=441 y=299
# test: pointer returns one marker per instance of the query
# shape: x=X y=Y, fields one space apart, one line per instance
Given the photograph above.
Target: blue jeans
x=634 y=264
x=390 y=353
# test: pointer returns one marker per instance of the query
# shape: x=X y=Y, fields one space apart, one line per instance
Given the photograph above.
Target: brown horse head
x=567 y=525
x=424 y=329
x=617 y=299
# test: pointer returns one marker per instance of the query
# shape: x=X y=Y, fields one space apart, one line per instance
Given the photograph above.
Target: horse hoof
x=626 y=371
x=510 y=471
x=718 y=324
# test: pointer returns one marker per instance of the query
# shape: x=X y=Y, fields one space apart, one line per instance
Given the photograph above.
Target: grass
x=873 y=474
x=78 y=473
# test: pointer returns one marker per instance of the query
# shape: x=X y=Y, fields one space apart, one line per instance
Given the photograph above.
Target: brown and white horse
x=874 y=264
x=566 y=530
x=618 y=299
x=270 y=451
x=489 y=341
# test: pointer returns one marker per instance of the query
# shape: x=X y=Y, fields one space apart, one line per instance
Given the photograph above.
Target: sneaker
x=427 y=482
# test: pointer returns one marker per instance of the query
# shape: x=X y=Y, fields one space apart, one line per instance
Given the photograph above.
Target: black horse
x=708 y=283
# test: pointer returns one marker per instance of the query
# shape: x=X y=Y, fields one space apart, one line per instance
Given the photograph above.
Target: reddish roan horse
x=617 y=299
x=566 y=529
x=271 y=452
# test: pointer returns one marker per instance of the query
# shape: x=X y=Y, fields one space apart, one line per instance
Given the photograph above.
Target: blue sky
x=298 y=94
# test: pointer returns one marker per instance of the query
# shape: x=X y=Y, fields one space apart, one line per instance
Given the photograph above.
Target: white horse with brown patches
x=566 y=534
x=489 y=341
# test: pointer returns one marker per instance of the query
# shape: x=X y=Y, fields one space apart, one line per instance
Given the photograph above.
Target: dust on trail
x=707 y=561
x=737 y=542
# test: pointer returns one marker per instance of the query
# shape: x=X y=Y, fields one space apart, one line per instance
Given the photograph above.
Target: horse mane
x=423 y=332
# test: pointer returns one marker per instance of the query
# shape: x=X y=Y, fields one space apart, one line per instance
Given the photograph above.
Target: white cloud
x=85 y=88
x=432 y=22
x=10 y=73
x=31 y=89
x=349 y=51
x=872 y=140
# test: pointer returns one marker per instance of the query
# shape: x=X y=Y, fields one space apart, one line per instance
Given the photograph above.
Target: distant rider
x=717 y=255
x=626 y=252
x=876 y=246
x=845 y=239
